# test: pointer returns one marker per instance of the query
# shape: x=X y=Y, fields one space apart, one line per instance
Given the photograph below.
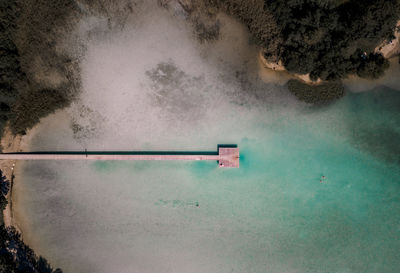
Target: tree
x=316 y=94
x=373 y=66
x=322 y=37
x=3 y=202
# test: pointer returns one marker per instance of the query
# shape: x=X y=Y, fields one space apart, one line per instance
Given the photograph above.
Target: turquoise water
x=274 y=214
x=150 y=85
x=348 y=223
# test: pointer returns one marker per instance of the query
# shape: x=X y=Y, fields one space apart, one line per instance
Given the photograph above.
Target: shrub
x=316 y=94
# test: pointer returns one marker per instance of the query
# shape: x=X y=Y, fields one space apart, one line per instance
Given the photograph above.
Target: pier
x=227 y=157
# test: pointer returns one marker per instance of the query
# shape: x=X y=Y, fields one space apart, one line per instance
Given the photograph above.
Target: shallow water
x=273 y=214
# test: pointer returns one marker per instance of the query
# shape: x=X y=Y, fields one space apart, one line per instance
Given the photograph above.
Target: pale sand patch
x=10 y=143
x=306 y=78
x=277 y=66
x=273 y=70
x=387 y=49
x=390 y=49
x=268 y=74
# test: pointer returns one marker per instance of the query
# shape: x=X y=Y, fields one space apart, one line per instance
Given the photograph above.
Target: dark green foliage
x=10 y=69
x=4 y=188
x=372 y=66
x=320 y=37
x=316 y=94
x=25 y=35
x=259 y=21
x=324 y=38
x=15 y=256
x=33 y=105
x=3 y=202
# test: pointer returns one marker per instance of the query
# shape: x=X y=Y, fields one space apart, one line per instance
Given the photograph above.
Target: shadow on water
x=227 y=146
x=374 y=126
x=85 y=152
x=131 y=152
x=199 y=167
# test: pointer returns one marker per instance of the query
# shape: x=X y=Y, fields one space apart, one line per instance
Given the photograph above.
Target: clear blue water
x=274 y=214
x=150 y=85
x=349 y=222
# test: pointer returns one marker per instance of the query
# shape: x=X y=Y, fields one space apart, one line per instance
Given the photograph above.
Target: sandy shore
x=390 y=49
x=278 y=68
x=10 y=143
x=387 y=49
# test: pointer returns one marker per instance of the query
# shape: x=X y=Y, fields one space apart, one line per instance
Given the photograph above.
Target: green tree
x=323 y=38
x=316 y=94
x=3 y=202
x=373 y=66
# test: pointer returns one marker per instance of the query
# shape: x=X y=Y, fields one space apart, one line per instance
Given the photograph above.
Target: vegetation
x=15 y=256
x=327 y=38
x=4 y=188
x=3 y=202
x=330 y=39
x=260 y=21
x=28 y=32
x=316 y=94
x=373 y=67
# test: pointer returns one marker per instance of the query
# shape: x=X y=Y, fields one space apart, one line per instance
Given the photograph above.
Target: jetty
x=227 y=157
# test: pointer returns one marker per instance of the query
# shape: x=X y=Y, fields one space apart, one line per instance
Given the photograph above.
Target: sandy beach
x=10 y=143
x=390 y=49
x=150 y=84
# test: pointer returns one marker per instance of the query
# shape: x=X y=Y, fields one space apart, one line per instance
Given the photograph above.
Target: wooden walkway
x=226 y=157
